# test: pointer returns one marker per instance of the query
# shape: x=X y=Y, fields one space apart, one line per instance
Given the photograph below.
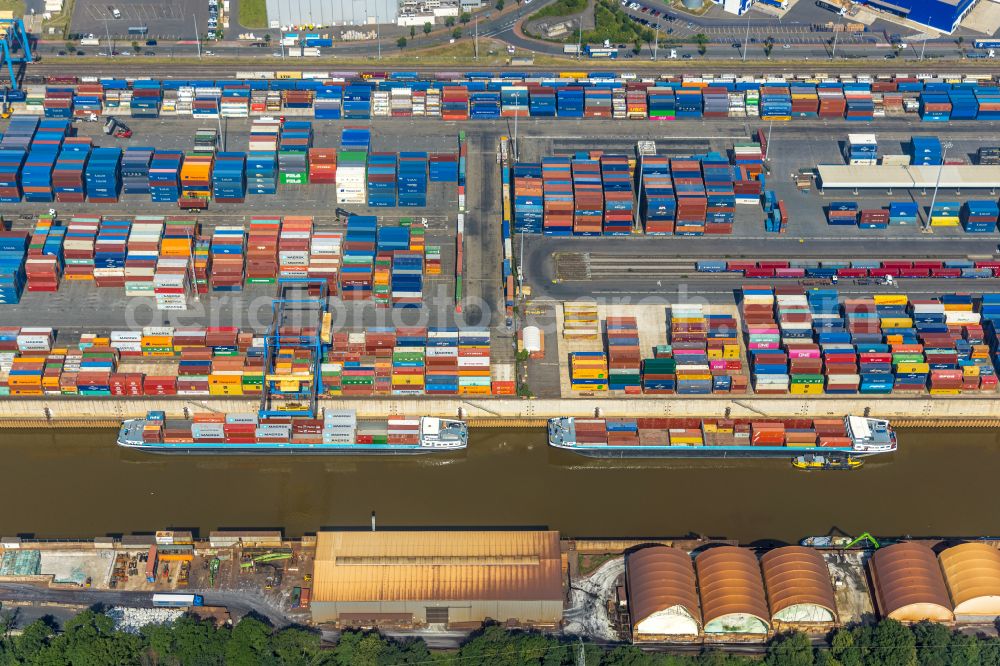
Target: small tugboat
x=817 y=462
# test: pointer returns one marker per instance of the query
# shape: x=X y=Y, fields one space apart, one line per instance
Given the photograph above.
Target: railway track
x=598 y=266
x=226 y=67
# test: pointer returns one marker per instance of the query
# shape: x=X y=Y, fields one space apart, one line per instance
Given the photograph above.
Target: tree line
x=90 y=639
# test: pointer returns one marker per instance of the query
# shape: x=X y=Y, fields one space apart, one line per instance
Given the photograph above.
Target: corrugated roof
x=730 y=582
x=967 y=176
x=797 y=575
x=909 y=584
x=660 y=577
x=438 y=565
x=972 y=573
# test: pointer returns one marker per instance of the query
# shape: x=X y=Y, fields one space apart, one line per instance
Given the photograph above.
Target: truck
x=601 y=51
x=177 y=600
x=571 y=49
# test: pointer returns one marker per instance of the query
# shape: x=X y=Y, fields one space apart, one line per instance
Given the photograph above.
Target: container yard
x=496 y=95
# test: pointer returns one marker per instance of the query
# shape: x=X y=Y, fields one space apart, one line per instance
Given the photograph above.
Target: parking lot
x=177 y=20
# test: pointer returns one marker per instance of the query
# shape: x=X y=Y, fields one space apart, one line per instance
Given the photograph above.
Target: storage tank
x=532 y=339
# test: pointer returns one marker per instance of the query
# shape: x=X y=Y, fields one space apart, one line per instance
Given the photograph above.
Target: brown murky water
x=63 y=483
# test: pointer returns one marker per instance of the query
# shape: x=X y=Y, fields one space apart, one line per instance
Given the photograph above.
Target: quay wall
x=959 y=411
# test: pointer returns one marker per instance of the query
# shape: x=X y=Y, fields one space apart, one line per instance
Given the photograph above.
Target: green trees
x=90 y=639
x=401 y=42
x=790 y=650
x=701 y=39
x=427 y=28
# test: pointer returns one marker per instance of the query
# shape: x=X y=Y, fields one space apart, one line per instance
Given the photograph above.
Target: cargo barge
x=852 y=436
x=337 y=432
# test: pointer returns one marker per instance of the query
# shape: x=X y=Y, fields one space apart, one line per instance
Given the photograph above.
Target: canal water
x=77 y=483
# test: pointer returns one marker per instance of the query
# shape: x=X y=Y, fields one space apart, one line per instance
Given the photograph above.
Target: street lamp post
x=746 y=40
x=836 y=36
x=937 y=184
x=767 y=148
x=197 y=36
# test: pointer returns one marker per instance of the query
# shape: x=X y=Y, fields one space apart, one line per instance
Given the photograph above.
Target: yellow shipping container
x=685 y=441
x=897 y=322
x=944 y=221
x=407 y=380
x=694 y=376
x=225 y=389
x=225 y=379
x=473 y=390
x=156 y=341
x=474 y=372
x=590 y=374
x=806 y=389
x=905 y=368
x=599 y=365
x=970 y=371
x=890 y=299
x=589 y=387
x=940 y=391
x=958 y=307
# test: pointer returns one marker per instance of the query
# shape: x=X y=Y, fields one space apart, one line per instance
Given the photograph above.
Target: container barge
x=336 y=432
x=852 y=436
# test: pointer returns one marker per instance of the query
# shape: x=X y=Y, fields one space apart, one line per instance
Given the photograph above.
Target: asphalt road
x=239 y=604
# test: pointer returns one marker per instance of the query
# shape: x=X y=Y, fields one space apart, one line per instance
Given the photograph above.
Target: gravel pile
x=133 y=619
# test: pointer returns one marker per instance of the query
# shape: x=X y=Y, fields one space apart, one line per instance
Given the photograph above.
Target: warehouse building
x=798 y=586
x=283 y=13
x=943 y=15
x=457 y=579
x=908 y=584
x=972 y=574
x=662 y=594
x=732 y=591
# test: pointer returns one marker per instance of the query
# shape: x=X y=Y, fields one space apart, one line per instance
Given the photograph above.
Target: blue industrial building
x=942 y=15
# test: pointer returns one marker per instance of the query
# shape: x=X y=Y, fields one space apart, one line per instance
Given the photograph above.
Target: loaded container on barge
x=336 y=432
x=853 y=436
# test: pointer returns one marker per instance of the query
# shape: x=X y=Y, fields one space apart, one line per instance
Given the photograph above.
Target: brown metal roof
x=439 y=565
x=658 y=578
x=909 y=584
x=730 y=582
x=797 y=575
x=971 y=571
